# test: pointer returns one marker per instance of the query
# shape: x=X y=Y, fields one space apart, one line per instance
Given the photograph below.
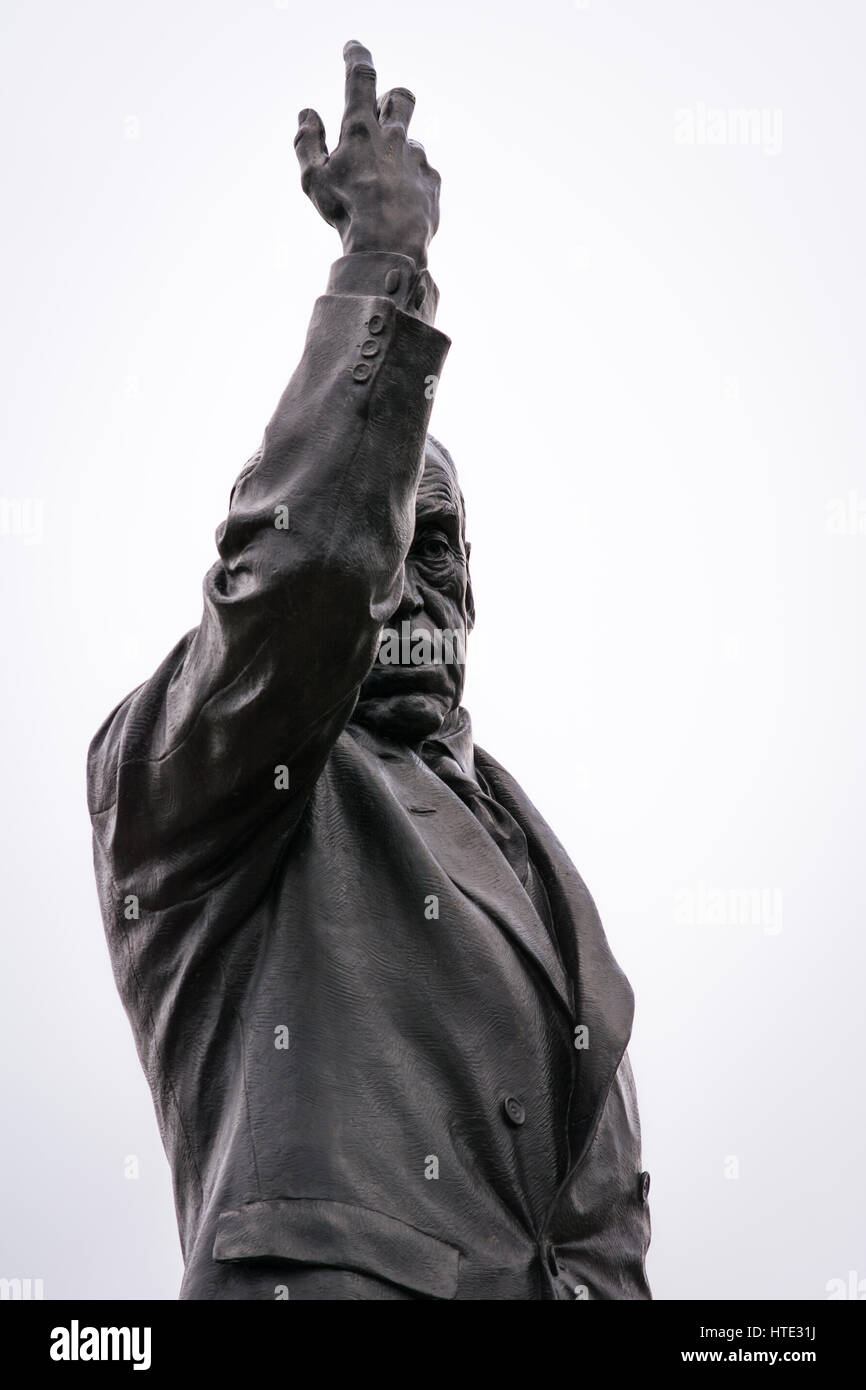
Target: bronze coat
x=329 y=1062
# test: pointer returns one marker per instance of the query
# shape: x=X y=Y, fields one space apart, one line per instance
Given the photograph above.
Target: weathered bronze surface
x=384 y=1032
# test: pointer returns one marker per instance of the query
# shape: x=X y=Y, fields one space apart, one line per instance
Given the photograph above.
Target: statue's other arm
x=235 y=726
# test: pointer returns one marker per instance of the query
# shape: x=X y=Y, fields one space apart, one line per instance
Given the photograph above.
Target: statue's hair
x=431 y=439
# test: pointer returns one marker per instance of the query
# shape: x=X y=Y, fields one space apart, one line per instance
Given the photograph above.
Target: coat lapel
x=605 y=1002
x=469 y=857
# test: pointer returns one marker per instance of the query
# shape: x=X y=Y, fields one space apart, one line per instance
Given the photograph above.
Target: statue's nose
x=412 y=601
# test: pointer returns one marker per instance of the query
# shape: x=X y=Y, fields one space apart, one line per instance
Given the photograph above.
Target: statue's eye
x=434 y=548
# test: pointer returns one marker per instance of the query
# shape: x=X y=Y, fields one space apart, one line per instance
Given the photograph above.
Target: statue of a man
x=384 y=1032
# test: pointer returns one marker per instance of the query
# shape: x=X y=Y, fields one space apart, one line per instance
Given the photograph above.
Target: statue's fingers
x=360 y=83
x=420 y=151
x=396 y=108
x=310 y=146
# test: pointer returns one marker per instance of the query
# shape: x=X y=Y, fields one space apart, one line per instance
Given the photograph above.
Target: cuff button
x=362 y=372
x=376 y=324
x=392 y=281
x=369 y=348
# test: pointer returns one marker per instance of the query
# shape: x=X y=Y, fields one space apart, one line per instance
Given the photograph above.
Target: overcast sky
x=650 y=264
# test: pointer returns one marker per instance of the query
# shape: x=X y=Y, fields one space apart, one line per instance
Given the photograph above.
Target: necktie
x=499 y=824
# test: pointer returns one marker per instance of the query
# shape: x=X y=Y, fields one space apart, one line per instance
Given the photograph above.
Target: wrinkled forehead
x=439 y=491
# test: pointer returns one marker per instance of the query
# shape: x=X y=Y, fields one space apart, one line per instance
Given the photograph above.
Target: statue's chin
x=403 y=718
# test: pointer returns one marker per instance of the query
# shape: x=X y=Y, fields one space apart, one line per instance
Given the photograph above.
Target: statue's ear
x=470 y=597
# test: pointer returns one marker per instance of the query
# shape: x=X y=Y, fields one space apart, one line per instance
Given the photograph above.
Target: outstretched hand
x=376 y=188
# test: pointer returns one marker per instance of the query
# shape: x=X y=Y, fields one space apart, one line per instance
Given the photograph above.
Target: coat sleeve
x=234 y=727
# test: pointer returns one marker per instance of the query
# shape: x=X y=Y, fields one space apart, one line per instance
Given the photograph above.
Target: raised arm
x=235 y=726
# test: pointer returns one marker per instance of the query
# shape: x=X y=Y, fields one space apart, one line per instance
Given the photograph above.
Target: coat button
x=362 y=371
x=376 y=324
x=369 y=347
x=515 y=1114
x=644 y=1186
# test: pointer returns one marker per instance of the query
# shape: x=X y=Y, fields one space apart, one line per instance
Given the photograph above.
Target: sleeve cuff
x=412 y=291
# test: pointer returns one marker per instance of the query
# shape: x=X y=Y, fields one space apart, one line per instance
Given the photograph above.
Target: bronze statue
x=385 y=1034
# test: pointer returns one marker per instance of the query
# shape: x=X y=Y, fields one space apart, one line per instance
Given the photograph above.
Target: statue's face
x=408 y=692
